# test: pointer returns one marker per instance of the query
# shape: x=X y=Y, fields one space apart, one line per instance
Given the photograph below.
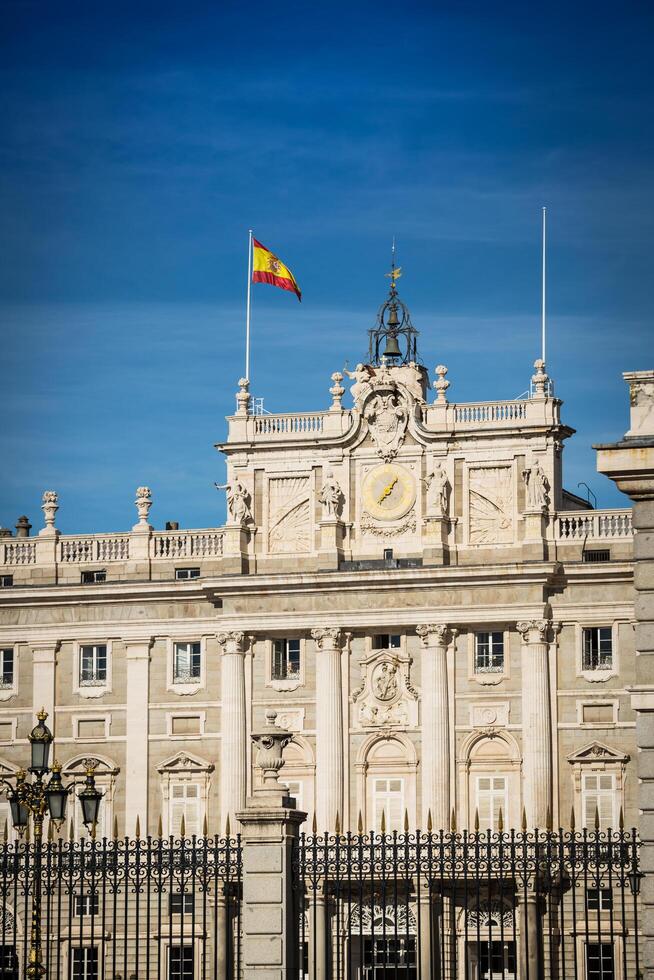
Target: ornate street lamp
x=37 y=799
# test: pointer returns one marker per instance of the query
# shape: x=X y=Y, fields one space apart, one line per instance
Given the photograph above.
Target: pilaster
x=329 y=728
x=435 y=740
x=536 y=721
x=44 y=669
x=137 y=725
x=233 y=756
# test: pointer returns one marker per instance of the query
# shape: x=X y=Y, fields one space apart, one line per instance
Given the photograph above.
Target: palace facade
x=446 y=630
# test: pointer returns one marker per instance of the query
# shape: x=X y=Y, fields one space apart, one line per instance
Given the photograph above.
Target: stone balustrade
x=93 y=547
x=596 y=525
x=104 y=549
x=187 y=544
x=301 y=424
x=490 y=413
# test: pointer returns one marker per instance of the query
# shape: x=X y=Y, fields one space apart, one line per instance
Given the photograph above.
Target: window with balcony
x=187 y=663
x=285 y=660
x=489 y=653
x=93 y=665
x=597 y=653
x=7 y=668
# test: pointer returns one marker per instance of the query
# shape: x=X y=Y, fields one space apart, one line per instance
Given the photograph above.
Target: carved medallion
x=388 y=417
x=289 y=524
x=491 y=505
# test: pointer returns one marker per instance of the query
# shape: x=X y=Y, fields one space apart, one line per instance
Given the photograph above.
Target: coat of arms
x=388 y=418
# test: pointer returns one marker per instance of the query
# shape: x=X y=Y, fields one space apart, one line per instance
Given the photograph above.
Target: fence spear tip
x=597 y=819
x=5 y=832
x=159 y=827
x=115 y=827
x=314 y=825
x=476 y=820
x=360 y=823
x=429 y=821
x=406 y=821
x=524 y=818
x=500 y=821
x=227 y=827
x=205 y=827
x=137 y=829
x=71 y=831
x=337 y=825
x=182 y=827
x=572 y=818
x=383 y=822
x=548 y=819
x=621 y=819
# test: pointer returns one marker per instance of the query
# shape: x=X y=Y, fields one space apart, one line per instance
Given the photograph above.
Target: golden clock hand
x=387 y=490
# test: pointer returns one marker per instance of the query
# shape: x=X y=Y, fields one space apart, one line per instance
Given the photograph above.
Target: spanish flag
x=266 y=267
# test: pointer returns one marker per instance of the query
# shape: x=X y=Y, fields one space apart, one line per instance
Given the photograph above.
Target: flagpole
x=247 y=309
x=543 y=286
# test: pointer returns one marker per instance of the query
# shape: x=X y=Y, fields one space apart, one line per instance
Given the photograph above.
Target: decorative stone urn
x=441 y=385
x=49 y=506
x=143 y=504
x=271 y=741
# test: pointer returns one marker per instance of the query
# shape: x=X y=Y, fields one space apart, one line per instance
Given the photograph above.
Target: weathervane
x=394 y=273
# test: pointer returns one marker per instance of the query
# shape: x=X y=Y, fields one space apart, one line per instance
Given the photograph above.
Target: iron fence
x=471 y=905
x=123 y=909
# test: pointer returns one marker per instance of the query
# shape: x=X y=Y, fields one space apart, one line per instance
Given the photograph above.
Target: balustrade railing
x=93 y=548
x=599 y=525
x=485 y=413
x=301 y=424
x=19 y=553
x=187 y=544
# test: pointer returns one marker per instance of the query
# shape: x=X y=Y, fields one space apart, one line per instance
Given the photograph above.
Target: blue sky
x=139 y=142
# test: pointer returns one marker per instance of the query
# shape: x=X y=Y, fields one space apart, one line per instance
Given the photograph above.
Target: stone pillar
x=137 y=723
x=233 y=755
x=270 y=829
x=536 y=722
x=318 y=938
x=435 y=737
x=329 y=729
x=44 y=666
x=630 y=463
x=426 y=939
x=529 y=940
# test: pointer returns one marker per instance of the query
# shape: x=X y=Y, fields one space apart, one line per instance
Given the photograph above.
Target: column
x=329 y=729
x=233 y=755
x=435 y=725
x=630 y=464
x=137 y=723
x=44 y=665
x=318 y=937
x=536 y=722
x=530 y=932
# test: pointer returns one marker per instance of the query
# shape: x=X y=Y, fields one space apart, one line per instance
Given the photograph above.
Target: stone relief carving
x=536 y=486
x=331 y=496
x=438 y=493
x=289 y=525
x=386 y=697
x=238 y=501
x=489 y=715
x=292 y=719
x=388 y=417
x=370 y=526
x=490 y=505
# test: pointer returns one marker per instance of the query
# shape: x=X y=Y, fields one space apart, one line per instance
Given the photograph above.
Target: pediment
x=185 y=762
x=79 y=765
x=598 y=752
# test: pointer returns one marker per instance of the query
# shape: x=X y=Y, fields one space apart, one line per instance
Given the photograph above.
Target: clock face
x=389 y=491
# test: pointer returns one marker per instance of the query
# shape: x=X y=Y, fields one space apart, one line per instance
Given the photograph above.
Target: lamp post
x=36 y=798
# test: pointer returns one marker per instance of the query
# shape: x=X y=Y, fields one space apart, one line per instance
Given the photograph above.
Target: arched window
x=387 y=782
x=490 y=780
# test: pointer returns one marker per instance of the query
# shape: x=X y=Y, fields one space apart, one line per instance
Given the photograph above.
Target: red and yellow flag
x=266 y=267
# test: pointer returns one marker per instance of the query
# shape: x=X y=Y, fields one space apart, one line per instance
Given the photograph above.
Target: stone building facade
x=446 y=630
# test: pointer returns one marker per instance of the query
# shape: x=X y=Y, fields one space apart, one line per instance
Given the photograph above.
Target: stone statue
x=238 y=498
x=438 y=492
x=537 y=487
x=361 y=375
x=331 y=496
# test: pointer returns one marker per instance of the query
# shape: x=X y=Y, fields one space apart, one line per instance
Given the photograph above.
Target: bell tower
x=393 y=340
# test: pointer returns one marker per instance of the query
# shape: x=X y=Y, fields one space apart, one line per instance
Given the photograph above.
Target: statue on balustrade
x=238 y=501
x=537 y=487
x=438 y=493
x=361 y=375
x=331 y=496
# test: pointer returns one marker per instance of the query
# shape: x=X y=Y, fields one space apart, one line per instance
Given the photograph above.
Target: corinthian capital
x=231 y=641
x=534 y=630
x=327 y=638
x=435 y=634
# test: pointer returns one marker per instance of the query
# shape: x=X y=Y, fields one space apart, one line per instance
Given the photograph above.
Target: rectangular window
x=93 y=665
x=184 y=802
x=598 y=648
x=390 y=957
x=86 y=904
x=598 y=796
x=491 y=798
x=286 y=660
x=181 y=903
x=595 y=555
x=186 y=663
x=6 y=581
x=388 y=798
x=185 y=573
x=599 y=961
x=90 y=578
x=387 y=641
x=295 y=790
x=599 y=899
x=489 y=653
x=6 y=667
x=84 y=963
x=181 y=963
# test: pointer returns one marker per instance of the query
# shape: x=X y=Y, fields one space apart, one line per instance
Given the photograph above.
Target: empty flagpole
x=543 y=288
x=247 y=309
